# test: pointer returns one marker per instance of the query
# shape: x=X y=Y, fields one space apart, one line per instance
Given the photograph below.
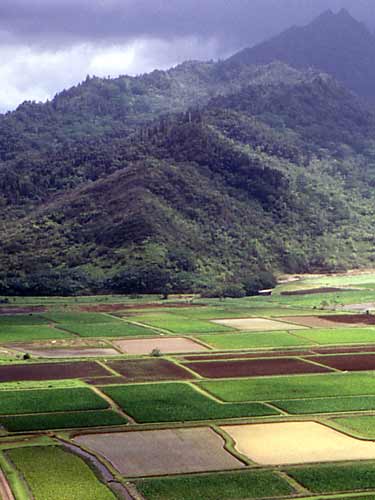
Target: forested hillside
x=210 y=177
x=335 y=43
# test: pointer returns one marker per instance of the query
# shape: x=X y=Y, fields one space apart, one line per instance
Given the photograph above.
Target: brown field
x=332 y=321
x=352 y=319
x=297 y=443
x=257 y=324
x=249 y=355
x=357 y=362
x=106 y=380
x=51 y=371
x=142 y=370
x=11 y=310
x=345 y=350
x=71 y=353
x=255 y=368
x=165 y=345
x=170 y=451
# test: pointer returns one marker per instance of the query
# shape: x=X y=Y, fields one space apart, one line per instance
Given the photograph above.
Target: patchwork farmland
x=190 y=398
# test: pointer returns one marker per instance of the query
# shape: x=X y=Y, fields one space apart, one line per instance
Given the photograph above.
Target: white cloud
x=29 y=73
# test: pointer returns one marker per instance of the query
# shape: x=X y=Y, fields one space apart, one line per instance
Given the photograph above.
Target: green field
x=18 y=333
x=118 y=329
x=363 y=426
x=291 y=387
x=52 y=473
x=335 y=478
x=231 y=486
x=64 y=420
x=80 y=317
x=49 y=400
x=339 y=336
x=327 y=405
x=22 y=319
x=254 y=340
x=176 y=323
x=177 y=402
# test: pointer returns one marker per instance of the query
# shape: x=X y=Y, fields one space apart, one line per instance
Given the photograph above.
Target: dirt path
x=5 y=491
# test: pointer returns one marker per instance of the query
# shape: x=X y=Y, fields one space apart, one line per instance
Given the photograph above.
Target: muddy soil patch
x=255 y=368
x=357 y=362
x=171 y=451
x=321 y=321
x=257 y=324
x=297 y=442
x=142 y=370
x=250 y=355
x=351 y=319
x=51 y=371
x=14 y=310
x=164 y=345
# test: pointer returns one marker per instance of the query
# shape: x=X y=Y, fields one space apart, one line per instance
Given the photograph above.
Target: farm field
x=267 y=397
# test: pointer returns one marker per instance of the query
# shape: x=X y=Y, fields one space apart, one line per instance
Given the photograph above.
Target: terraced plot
x=293 y=387
x=231 y=486
x=337 y=336
x=52 y=473
x=49 y=400
x=164 y=345
x=51 y=371
x=65 y=420
x=109 y=329
x=258 y=324
x=356 y=362
x=254 y=368
x=171 y=451
x=336 y=478
x=142 y=370
x=326 y=405
x=177 y=402
x=296 y=443
x=23 y=333
x=255 y=340
x=179 y=324
x=84 y=352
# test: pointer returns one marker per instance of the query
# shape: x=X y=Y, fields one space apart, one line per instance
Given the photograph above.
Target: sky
x=49 y=45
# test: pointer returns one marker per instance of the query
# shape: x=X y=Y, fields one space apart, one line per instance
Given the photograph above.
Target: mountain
x=184 y=180
x=334 y=43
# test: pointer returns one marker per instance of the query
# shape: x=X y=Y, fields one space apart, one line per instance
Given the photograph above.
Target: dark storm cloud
x=48 y=45
x=232 y=22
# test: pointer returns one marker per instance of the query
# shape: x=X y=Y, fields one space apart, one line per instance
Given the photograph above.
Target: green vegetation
x=362 y=425
x=335 y=478
x=339 y=336
x=234 y=485
x=118 y=329
x=291 y=387
x=22 y=320
x=80 y=317
x=22 y=333
x=254 y=340
x=327 y=405
x=179 y=324
x=49 y=400
x=64 y=420
x=177 y=402
x=53 y=473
